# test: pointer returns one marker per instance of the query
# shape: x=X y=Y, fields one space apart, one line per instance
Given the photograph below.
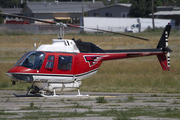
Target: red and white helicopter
x=62 y=65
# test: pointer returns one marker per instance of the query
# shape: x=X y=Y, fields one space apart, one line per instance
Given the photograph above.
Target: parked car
x=134 y=28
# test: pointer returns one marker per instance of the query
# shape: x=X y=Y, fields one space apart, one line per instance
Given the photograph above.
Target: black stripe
x=133 y=50
x=59 y=75
x=45 y=75
x=86 y=73
x=53 y=75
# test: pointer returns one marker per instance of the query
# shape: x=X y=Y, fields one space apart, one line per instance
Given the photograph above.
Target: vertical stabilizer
x=163 y=44
x=164 y=37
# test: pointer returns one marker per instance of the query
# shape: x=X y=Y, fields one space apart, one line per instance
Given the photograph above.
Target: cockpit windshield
x=21 y=59
x=34 y=60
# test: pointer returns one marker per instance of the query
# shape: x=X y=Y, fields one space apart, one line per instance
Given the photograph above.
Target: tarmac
x=12 y=107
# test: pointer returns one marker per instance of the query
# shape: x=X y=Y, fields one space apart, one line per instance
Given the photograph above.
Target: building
x=168 y=12
x=50 y=10
x=15 y=11
x=116 y=10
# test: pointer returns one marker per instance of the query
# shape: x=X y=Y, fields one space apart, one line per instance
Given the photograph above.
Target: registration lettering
x=41 y=80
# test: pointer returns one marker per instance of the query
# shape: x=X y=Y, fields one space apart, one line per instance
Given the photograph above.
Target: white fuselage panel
x=60 y=45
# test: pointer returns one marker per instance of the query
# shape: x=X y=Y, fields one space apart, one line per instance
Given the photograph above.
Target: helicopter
x=62 y=65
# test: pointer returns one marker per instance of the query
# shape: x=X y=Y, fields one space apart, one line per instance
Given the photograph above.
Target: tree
x=124 y=1
x=168 y=2
x=9 y=3
x=2 y=3
x=1 y=18
x=142 y=8
x=177 y=3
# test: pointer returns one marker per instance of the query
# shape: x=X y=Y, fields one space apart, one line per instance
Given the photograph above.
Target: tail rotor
x=168 y=53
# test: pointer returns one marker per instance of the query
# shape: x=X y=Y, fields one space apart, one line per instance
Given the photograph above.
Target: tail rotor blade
x=166 y=38
x=168 y=59
x=168 y=53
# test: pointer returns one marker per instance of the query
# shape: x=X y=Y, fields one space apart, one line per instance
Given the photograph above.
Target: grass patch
x=69 y=100
x=7 y=100
x=101 y=100
x=124 y=114
x=130 y=98
x=175 y=102
x=154 y=95
x=49 y=114
x=170 y=113
x=3 y=113
x=9 y=59
x=163 y=101
x=178 y=97
x=77 y=105
x=31 y=107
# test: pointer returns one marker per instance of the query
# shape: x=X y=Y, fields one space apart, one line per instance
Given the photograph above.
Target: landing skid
x=52 y=95
x=56 y=95
x=42 y=95
x=32 y=95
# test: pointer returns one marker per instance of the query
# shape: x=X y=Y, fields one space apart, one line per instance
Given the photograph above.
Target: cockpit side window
x=50 y=62
x=34 y=60
x=65 y=62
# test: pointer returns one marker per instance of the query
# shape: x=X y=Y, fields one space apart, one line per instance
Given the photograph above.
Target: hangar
x=50 y=10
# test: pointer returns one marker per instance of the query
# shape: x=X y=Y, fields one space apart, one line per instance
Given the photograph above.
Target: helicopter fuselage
x=63 y=64
x=64 y=67
x=67 y=62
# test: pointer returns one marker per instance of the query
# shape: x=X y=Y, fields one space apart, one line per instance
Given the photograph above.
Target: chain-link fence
x=36 y=29
x=53 y=29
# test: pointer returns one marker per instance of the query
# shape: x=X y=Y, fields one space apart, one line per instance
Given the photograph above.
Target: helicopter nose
x=21 y=74
x=23 y=77
x=9 y=75
x=20 y=77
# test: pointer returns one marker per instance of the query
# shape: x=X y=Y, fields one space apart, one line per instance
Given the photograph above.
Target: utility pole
x=82 y=30
x=153 y=14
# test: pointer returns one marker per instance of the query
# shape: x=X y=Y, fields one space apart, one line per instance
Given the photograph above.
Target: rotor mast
x=61 y=26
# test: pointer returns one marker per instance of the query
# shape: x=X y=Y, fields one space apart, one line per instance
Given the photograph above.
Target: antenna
x=34 y=46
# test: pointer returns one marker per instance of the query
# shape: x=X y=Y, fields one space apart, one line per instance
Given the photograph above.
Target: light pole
x=82 y=29
x=153 y=14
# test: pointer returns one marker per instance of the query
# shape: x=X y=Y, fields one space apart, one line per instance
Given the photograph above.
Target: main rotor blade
x=110 y=32
x=29 y=18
